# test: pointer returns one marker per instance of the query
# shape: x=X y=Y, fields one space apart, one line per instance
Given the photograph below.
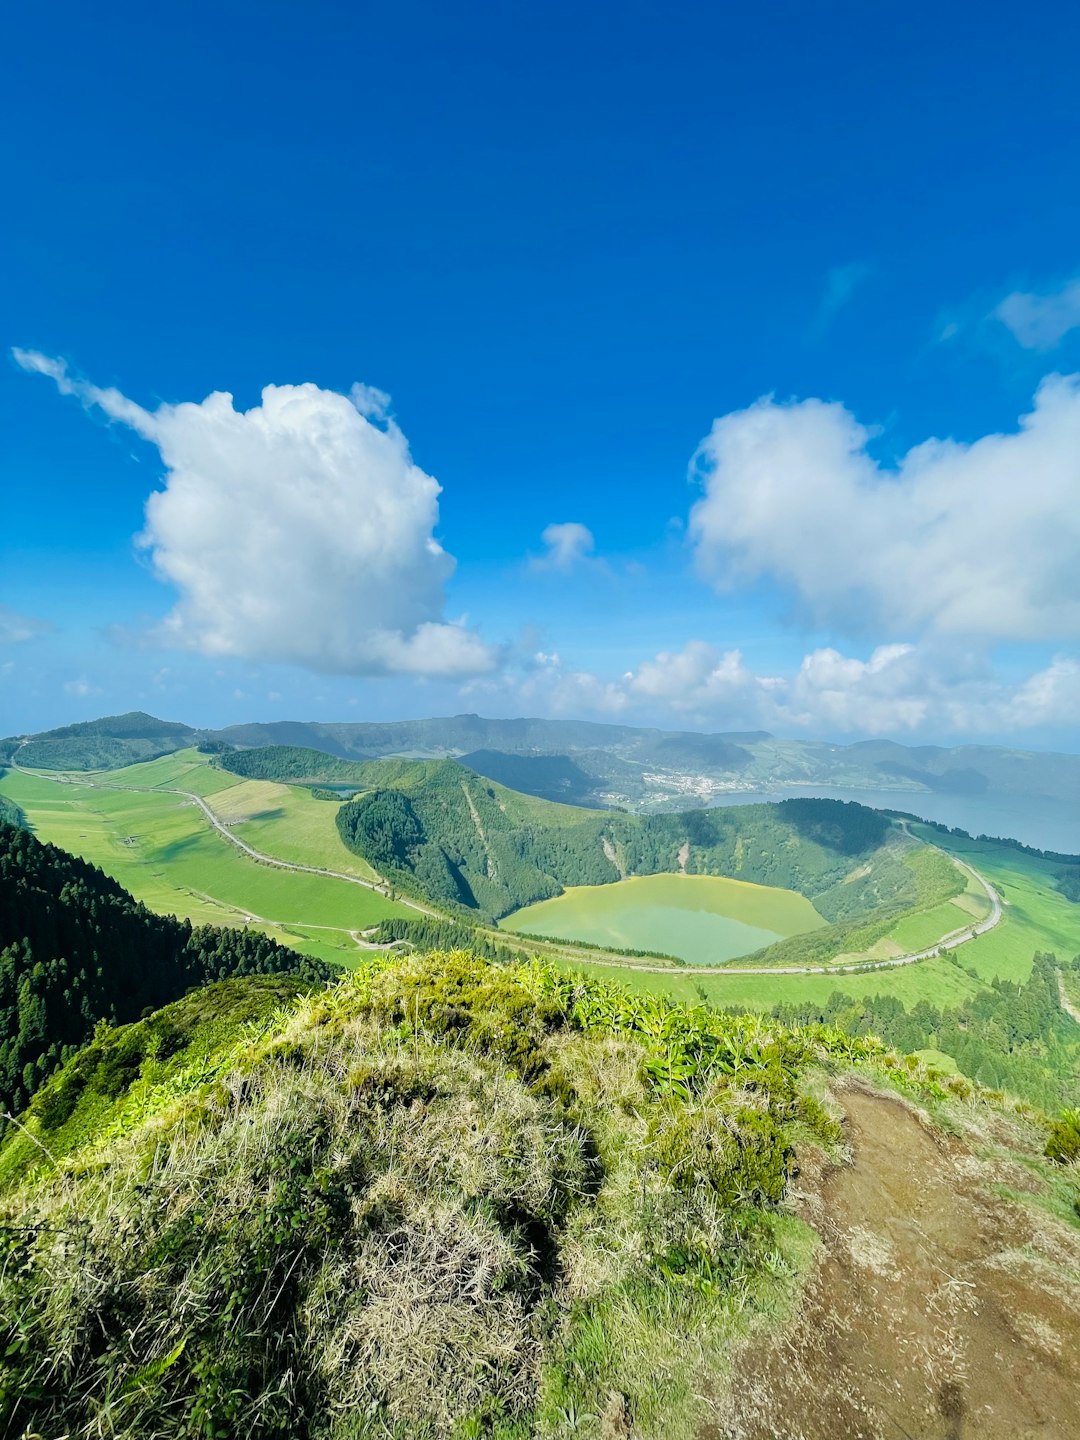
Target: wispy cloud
x=1041 y=320
x=565 y=545
x=16 y=628
x=840 y=285
x=81 y=688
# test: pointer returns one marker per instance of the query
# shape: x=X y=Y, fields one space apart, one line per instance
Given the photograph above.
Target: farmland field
x=161 y=847
x=1036 y=917
x=701 y=919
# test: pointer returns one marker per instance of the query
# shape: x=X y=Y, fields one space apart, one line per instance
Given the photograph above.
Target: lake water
x=1042 y=821
x=701 y=919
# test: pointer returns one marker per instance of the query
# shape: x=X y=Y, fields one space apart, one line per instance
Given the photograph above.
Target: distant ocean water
x=1041 y=821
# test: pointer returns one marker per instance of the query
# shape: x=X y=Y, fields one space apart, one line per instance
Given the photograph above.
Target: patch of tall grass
x=440 y=1198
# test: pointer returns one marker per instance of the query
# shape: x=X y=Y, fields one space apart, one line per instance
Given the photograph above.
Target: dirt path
x=936 y=1312
x=1066 y=1003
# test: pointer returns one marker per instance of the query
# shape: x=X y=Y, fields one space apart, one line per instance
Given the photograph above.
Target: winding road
x=380 y=887
x=952 y=941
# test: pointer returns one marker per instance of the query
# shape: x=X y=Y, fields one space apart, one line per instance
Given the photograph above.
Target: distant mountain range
x=590 y=764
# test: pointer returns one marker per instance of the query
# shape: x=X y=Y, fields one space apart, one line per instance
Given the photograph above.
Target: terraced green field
x=701 y=919
x=162 y=848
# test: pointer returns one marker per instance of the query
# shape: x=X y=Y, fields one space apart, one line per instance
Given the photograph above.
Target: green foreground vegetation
x=439 y=1198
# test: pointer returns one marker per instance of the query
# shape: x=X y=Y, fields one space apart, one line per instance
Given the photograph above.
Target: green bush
x=1063 y=1144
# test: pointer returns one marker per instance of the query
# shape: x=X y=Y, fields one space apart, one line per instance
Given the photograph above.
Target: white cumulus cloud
x=299 y=530
x=1040 y=321
x=978 y=540
x=897 y=689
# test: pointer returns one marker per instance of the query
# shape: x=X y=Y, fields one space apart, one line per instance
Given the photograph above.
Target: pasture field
x=1036 y=917
x=163 y=849
x=288 y=822
x=702 y=919
x=940 y=982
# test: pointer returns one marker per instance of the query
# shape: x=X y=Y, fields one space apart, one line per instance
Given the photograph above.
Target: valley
x=264 y=848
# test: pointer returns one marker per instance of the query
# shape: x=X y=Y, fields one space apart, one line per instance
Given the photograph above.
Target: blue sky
x=578 y=248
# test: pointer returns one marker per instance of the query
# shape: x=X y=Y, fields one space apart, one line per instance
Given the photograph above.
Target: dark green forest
x=10 y=814
x=296 y=766
x=429 y=934
x=1010 y=1036
x=76 y=949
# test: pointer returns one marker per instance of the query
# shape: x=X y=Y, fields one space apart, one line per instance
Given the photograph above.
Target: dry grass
x=426 y=1205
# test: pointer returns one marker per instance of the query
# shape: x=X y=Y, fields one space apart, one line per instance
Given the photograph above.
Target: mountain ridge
x=603 y=765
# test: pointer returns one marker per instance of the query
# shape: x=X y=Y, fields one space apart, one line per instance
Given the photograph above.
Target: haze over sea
x=1038 y=820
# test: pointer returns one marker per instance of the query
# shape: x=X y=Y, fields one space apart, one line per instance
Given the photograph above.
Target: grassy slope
x=161 y=848
x=287 y=821
x=1036 y=917
x=487 y=1227
x=461 y=1200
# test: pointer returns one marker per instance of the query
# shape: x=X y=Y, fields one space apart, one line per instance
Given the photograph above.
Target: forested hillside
x=297 y=766
x=103 y=744
x=10 y=814
x=1011 y=1036
x=75 y=948
x=470 y=845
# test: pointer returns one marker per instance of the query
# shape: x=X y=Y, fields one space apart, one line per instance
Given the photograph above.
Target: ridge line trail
x=935 y=1309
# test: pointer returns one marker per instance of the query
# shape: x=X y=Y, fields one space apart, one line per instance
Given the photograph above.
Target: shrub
x=1063 y=1144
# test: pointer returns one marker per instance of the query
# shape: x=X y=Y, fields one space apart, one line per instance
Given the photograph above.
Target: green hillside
x=439 y=1199
x=466 y=843
x=104 y=744
x=76 y=950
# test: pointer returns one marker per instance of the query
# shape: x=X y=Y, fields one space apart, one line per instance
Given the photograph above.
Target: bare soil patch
x=936 y=1310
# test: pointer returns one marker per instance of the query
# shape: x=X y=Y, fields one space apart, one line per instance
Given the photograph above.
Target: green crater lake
x=702 y=919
